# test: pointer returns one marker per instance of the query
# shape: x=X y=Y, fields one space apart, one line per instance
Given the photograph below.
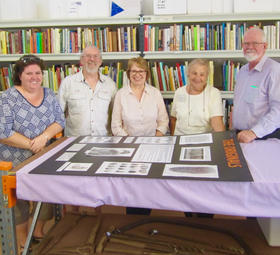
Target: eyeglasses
x=89 y=56
x=254 y=44
x=30 y=58
x=134 y=72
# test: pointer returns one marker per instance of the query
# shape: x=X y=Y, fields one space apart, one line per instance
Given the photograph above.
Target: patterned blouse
x=18 y=115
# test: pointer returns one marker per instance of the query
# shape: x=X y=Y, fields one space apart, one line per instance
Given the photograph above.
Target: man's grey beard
x=250 y=57
x=91 y=70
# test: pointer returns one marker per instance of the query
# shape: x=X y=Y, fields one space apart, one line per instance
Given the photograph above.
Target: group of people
x=88 y=104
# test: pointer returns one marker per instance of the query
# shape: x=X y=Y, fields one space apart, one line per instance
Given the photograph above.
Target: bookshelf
x=60 y=42
x=227 y=55
x=168 y=57
x=218 y=37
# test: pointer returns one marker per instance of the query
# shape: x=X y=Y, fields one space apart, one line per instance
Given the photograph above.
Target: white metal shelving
x=204 y=18
x=170 y=94
x=10 y=24
x=209 y=54
x=71 y=56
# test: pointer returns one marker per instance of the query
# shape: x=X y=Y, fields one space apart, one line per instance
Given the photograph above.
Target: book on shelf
x=163 y=77
x=178 y=69
x=171 y=79
x=227 y=112
x=5 y=78
x=146 y=37
x=158 y=74
x=155 y=79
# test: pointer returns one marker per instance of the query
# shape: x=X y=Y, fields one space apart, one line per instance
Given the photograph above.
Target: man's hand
x=246 y=136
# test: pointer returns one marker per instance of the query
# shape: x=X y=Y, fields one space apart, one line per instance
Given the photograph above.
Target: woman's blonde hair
x=141 y=63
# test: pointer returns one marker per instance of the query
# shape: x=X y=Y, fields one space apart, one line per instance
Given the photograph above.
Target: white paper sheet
x=156 y=139
x=129 y=139
x=76 y=147
x=154 y=153
x=101 y=139
x=196 y=139
x=66 y=156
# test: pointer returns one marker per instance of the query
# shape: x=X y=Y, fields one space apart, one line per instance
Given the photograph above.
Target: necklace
x=189 y=104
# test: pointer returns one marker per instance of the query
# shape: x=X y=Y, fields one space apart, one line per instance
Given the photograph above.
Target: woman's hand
x=38 y=143
x=158 y=133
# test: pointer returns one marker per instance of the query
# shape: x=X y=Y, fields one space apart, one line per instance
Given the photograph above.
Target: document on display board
x=101 y=139
x=154 y=153
x=157 y=140
x=196 y=139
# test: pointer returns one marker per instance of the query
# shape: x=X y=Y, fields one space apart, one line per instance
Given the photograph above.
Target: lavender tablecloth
x=260 y=198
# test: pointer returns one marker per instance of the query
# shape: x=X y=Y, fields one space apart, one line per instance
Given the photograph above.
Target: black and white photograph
x=78 y=167
x=200 y=171
x=195 y=153
x=127 y=168
x=110 y=152
x=101 y=139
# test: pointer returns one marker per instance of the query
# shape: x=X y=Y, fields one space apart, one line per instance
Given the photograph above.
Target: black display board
x=225 y=153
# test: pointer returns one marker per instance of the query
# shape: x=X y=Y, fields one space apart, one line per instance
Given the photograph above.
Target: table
x=256 y=199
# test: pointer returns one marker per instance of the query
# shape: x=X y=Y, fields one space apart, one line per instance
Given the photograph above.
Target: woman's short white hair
x=199 y=61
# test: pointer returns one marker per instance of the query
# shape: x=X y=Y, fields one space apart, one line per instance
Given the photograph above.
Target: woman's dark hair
x=23 y=62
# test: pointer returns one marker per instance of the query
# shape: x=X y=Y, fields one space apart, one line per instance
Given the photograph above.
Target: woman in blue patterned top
x=29 y=116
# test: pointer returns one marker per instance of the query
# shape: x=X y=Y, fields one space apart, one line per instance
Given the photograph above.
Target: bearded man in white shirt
x=86 y=96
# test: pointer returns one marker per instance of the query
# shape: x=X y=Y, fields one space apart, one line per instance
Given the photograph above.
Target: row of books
x=53 y=75
x=170 y=77
x=65 y=40
x=163 y=76
x=230 y=70
x=224 y=36
x=177 y=37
